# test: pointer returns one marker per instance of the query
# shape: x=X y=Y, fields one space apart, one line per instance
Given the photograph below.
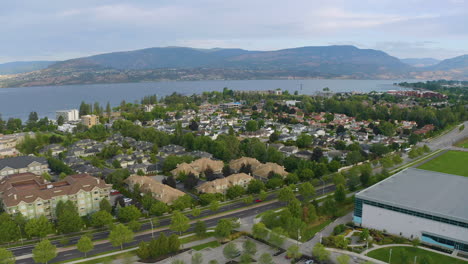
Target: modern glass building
x=416 y=203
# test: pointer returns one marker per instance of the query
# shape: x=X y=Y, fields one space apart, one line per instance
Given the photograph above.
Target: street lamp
x=390 y=257
x=21 y=237
x=323 y=186
x=415 y=257
x=152 y=231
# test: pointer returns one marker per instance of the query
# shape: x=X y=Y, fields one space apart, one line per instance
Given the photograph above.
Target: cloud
x=37 y=29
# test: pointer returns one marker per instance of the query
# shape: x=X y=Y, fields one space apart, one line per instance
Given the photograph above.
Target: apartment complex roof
x=20 y=162
x=223 y=183
x=237 y=164
x=28 y=187
x=264 y=170
x=162 y=192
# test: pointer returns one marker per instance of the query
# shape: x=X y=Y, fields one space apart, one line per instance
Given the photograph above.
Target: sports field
x=453 y=162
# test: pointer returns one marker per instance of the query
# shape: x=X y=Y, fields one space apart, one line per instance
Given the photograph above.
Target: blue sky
x=57 y=29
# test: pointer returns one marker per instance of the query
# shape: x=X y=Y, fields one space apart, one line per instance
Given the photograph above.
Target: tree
x=340 y=193
x=9 y=229
x=85 y=245
x=255 y=186
x=179 y=222
x=245 y=259
x=265 y=258
x=38 y=227
x=197 y=258
x=343 y=259
x=295 y=208
x=120 y=235
x=230 y=251
x=249 y=247
x=416 y=242
x=286 y=194
x=101 y=218
x=129 y=213
x=224 y=228
x=191 y=181
x=170 y=181
x=60 y=120
x=276 y=239
x=317 y=153
x=364 y=234
x=174 y=243
x=320 y=252
x=44 y=251
x=134 y=225
x=68 y=218
x=193 y=125
x=158 y=208
x=214 y=206
x=307 y=190
x=213 y=261
x=196 y=212
x=6 y=256
x=293 y=251
x=251 y=126
x=262 y=195
x=259 y=231
x=200 y=228
x=235 y=191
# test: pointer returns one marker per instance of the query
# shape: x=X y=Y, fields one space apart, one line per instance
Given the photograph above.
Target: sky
x=59 y=30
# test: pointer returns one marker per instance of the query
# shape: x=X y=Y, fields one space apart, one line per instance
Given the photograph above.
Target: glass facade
x=435 y=240
x=358 y=212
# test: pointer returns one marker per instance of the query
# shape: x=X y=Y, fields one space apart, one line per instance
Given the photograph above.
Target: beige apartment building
x=90 y=120
x=221 y=185
x=30 y=195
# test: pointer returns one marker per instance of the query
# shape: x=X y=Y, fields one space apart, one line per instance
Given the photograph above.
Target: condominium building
x=22 y=164
x=221 y=185
x=68 y=115
x=90 y=120
x=30 y=195
x=159 y=191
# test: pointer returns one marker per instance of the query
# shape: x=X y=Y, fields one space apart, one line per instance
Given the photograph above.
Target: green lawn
x=463 y=143
x=453 y=162
x=397 y=256
x=211 y=244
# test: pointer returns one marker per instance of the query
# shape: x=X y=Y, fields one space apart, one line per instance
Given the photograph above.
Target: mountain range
x=181 y=63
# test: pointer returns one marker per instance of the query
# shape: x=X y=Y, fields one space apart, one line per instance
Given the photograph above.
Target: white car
x=309 y=261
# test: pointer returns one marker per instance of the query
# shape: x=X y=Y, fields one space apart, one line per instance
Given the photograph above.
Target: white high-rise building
x=68 y=115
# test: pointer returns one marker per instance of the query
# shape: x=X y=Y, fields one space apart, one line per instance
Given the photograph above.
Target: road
x=72 y=253
x=447 y=140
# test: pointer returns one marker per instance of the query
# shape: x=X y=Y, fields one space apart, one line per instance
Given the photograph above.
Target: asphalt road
x=447 y=140
x=105 y=247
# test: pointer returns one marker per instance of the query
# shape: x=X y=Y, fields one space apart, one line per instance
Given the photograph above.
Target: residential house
x=237 y=164
x=159 y=191
x=221 y=185
x=264 y=170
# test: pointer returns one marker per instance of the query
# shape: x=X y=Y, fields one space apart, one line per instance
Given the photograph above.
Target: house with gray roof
x=22 y=164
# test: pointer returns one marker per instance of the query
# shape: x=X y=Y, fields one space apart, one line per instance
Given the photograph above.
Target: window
x=358 y=212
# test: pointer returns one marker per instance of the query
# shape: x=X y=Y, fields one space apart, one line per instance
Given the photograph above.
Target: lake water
x=45 y=100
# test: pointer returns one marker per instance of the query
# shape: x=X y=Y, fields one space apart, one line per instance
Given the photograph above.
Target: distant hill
x=449 y=69
x=23 y=66
x=420 y=62
x=182 y=63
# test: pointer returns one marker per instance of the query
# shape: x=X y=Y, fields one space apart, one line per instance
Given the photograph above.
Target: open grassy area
x=453 y=162
x=211 y=244
x=462 y=144
x=398 y=253
x=312 y=230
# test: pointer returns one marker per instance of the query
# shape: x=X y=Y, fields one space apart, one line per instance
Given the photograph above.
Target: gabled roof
x=229 y=181
x=265 y=169
x=237 y=164
x=28 y=187
x=21 y=162
x=202 y=164
x=162 y=192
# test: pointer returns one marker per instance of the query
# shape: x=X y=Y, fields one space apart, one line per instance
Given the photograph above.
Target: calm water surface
x=19 y=102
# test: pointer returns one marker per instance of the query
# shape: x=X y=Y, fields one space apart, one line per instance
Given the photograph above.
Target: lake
x=45 y=100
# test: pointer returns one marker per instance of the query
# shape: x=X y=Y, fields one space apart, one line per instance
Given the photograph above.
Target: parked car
x=258 y=201
x=310 y=261
x=114 y=192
